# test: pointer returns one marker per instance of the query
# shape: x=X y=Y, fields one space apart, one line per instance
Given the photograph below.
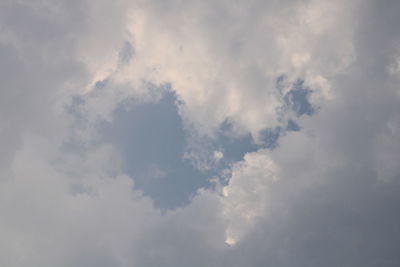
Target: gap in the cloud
x=234 y=147
x=151 y=140
x=296 y=99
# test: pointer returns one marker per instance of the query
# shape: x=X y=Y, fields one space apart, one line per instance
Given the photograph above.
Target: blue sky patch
x=151 y=139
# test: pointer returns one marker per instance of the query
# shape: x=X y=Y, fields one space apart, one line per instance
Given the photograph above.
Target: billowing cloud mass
x=199 y=133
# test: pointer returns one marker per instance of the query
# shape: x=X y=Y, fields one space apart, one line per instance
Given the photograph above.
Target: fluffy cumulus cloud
x=313 y=86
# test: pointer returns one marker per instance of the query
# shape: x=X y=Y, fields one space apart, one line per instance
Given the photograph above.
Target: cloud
x=207 y=58
x=246 y=196
x=325 y=194
x=211 y=52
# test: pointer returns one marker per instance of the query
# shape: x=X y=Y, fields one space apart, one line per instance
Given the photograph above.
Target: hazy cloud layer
x=188 y=133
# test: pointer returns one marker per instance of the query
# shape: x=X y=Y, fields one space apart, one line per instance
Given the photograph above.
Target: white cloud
x=245 y=198
x=211 y=58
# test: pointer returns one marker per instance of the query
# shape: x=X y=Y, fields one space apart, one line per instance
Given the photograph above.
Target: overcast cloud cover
x=199 y=133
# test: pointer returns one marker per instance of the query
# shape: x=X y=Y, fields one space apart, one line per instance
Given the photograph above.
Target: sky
x=199 y=133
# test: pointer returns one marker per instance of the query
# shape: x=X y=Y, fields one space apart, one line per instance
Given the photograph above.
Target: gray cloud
x=269 y=173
